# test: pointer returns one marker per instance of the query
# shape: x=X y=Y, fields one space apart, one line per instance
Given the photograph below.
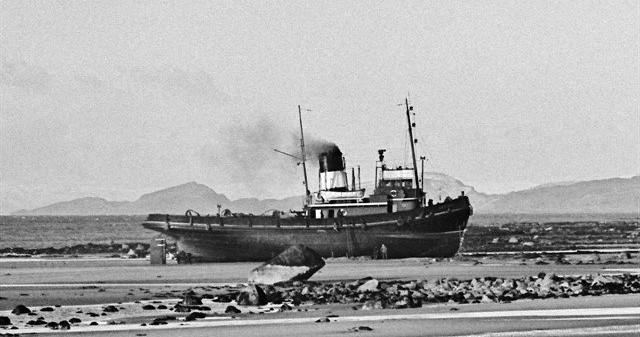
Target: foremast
x=413 y=150
x=304 y=156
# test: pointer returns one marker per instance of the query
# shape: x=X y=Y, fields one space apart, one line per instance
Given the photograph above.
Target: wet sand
x=83 y=285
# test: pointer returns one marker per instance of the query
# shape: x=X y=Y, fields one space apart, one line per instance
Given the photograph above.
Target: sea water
x=61 y=231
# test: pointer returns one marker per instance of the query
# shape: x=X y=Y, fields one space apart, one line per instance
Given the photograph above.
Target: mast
x=413 y=150
x=304 y=158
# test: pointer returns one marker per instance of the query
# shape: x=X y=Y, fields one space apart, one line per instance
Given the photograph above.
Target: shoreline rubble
x=362 y=294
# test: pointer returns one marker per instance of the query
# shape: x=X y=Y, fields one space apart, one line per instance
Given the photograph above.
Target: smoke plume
x=243 y=163
x=315 y=147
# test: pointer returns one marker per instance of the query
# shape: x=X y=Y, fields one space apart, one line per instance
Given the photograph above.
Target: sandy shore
x=83 y=287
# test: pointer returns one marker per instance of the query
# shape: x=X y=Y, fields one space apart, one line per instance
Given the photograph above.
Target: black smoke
x=316 y=147
x=243 y=157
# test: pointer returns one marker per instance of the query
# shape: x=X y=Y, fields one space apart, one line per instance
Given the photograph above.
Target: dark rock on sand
x=110 y=308
x=252 y=295
x=93 y=323
x=64 y=325
x=37 y=322
x=52 y=325
x=285 y=307
x=47 y=309
x=295 y=263
x=190 y=298
x=360 y=328
x=195 y=315
x=20 y=309
x=162 y=320
x=162 y=307
x=232 y=310
x=75 y=320
x=148 y=307
x=323 y=320
x=158 y=322
x=181 y=308
x=4 y=320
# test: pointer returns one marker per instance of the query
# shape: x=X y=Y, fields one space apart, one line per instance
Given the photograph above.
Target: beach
x=82 y=287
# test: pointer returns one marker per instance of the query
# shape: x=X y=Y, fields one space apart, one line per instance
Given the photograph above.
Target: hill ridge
x=593 y=196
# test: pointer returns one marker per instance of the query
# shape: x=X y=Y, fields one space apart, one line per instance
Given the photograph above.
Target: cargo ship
x=340 y=219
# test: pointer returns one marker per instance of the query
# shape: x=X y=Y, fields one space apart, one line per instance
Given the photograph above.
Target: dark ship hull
x=430 y=231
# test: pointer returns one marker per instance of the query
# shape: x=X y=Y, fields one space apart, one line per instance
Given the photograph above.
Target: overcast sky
x=117 y=98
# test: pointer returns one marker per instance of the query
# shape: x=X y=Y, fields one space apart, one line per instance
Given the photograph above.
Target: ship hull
x=434 y=231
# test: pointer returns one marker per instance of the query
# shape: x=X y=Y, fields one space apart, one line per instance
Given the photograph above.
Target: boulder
x=110 y=308
x=37 y=322
x=285 y=307
x=251 y=295
x=20 y=309
x=195 y=315
x=232 y=310
x=369 y=286
x=190 y=298
x=64 y=325
x=4 y=320
x=181 y=308
x=294 y=264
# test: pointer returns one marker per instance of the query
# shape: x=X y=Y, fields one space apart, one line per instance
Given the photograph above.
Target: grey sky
x=117 y=98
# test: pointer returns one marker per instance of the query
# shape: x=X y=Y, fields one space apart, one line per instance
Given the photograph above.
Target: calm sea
x=61 y=231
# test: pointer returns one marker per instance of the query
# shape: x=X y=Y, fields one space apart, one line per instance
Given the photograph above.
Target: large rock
x=369 y=286
x=20 y=309
x=190 y=298
x=294 y=264
x=251 y=295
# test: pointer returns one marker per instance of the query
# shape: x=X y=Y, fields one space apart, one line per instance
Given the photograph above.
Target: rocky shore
x=365 y=294
x=134 y=249
x=373 y=294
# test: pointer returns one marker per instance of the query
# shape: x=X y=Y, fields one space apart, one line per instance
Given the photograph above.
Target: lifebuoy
x=393 y=193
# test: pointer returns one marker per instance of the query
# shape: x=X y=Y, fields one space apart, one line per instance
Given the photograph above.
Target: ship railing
x=364 y=222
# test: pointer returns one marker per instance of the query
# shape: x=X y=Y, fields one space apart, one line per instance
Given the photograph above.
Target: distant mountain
x=616 y=195
x=82 y=206
x=178 y=199
x=174 y=200
x=438 y=186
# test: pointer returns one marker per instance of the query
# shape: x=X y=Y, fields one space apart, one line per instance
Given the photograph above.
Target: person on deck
x=383 y=251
